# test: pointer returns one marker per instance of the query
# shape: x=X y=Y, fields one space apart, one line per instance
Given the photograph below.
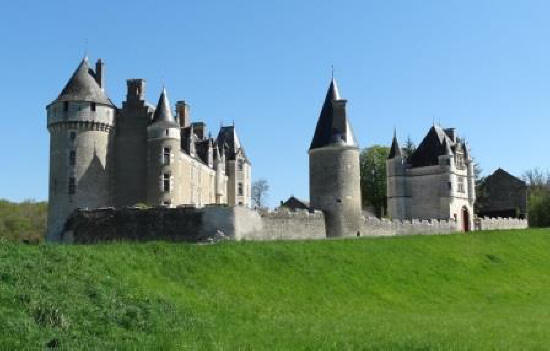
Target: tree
x=260 y=189
x=538 y=198
x=373 y=177
x=409 y=148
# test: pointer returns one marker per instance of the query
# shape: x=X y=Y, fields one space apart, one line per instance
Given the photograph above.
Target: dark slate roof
x=395 y=150
x=228 y=139
x=332 y=128
x=82 y=86
x=162 y=112
x=295 y=203
x=429 y=150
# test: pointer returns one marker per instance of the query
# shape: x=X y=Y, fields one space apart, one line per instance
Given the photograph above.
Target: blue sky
x=480 y=66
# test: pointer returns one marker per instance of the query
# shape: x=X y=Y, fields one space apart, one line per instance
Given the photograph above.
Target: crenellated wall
x=484 y=223
x=384 y=227
x=189 y=223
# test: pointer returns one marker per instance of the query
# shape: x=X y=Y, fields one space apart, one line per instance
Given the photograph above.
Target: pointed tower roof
x=163 y=112
x=82 y=86
x=395 y=150
x=333 y=126
x=230 y=143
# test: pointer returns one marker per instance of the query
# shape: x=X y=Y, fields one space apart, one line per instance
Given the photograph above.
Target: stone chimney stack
x=100 y=73
x=136 y=89
x=183 y=113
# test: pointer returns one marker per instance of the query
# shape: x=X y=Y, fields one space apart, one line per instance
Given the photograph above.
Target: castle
x=436 y=181
x=105 y=159
x=102 y=155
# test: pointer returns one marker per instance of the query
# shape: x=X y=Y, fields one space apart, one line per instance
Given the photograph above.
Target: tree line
x=23 y=221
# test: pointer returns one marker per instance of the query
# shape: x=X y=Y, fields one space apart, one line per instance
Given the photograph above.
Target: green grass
x=486 y=290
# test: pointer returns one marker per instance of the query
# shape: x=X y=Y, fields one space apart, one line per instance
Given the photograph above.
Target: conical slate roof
x=332 y=128
x=395 y=150
x=163 y=112
x=82 y=86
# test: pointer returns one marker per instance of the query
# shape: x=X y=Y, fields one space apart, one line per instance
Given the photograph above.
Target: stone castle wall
x=484 y=223
x=384 y=227
x=240 y=223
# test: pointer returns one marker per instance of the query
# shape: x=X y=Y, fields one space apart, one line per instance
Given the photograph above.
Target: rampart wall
x=240 y=223
x=485 y=223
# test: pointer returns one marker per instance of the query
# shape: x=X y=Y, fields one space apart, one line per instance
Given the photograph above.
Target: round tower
x=80 y=122
x=334 y=182
x=163 y=148
x=396 y=182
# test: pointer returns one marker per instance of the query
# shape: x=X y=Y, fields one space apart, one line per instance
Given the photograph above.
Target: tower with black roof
x=396 y=190
x=80 y=121
x=163 y=148
x=334 y=182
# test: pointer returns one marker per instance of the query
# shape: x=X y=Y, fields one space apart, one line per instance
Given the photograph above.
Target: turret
x=163 y=144
x=471 y=174
x=80 y=122
x=237 y=167
x=221 y=183
x=334 y=183
x=396 y=191
x=448 y=167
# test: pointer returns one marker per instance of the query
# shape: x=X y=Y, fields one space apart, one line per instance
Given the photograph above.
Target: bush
x=538 y=208
x=24 y=221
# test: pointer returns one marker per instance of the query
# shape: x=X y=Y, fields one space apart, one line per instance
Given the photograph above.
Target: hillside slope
x=484 y=291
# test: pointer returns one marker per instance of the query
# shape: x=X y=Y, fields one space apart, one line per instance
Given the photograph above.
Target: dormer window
x=92 y=106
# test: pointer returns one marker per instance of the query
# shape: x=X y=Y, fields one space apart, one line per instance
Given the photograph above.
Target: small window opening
x=166 y=156
x=241 y=162
x=92 y=106
x=166 y=132
x=73 y=136
x=166 y=182
x=449 y=185
x=240 y=189
x=72 y=185
x=72 y=158
x=65 y=106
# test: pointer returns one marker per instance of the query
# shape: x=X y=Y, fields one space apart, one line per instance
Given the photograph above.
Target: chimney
x=100 y=73
x=183 y=113
x=136 y=89
x=200 y=129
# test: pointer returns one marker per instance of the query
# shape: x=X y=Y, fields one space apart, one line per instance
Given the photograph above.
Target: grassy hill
x=478 y=291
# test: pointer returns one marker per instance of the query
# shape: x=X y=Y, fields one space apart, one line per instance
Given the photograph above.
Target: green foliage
x=488 y=290
x=409 y=148
x=538 y=207
x=373 y=177
x=23 y=221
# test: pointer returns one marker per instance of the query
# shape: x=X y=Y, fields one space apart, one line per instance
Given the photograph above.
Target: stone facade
x=437 y=181
x=101 y=155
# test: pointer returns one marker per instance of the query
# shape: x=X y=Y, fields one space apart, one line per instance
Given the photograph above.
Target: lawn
x=487 y=290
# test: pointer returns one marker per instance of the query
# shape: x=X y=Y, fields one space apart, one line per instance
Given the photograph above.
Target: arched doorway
x=465 y=220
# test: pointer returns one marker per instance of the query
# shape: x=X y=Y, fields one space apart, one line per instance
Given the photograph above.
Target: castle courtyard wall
x=193 y=224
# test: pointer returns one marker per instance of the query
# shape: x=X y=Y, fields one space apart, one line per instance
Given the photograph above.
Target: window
x=240 y=189
x=72 y=185
x=166 y=182
x=73 y=136
x=92 y=106
x=461 y=185
x=166 y=132
x=241 y=165
x=72 y=158
x=449 y=185
x=166 y=156
x=65 y=106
